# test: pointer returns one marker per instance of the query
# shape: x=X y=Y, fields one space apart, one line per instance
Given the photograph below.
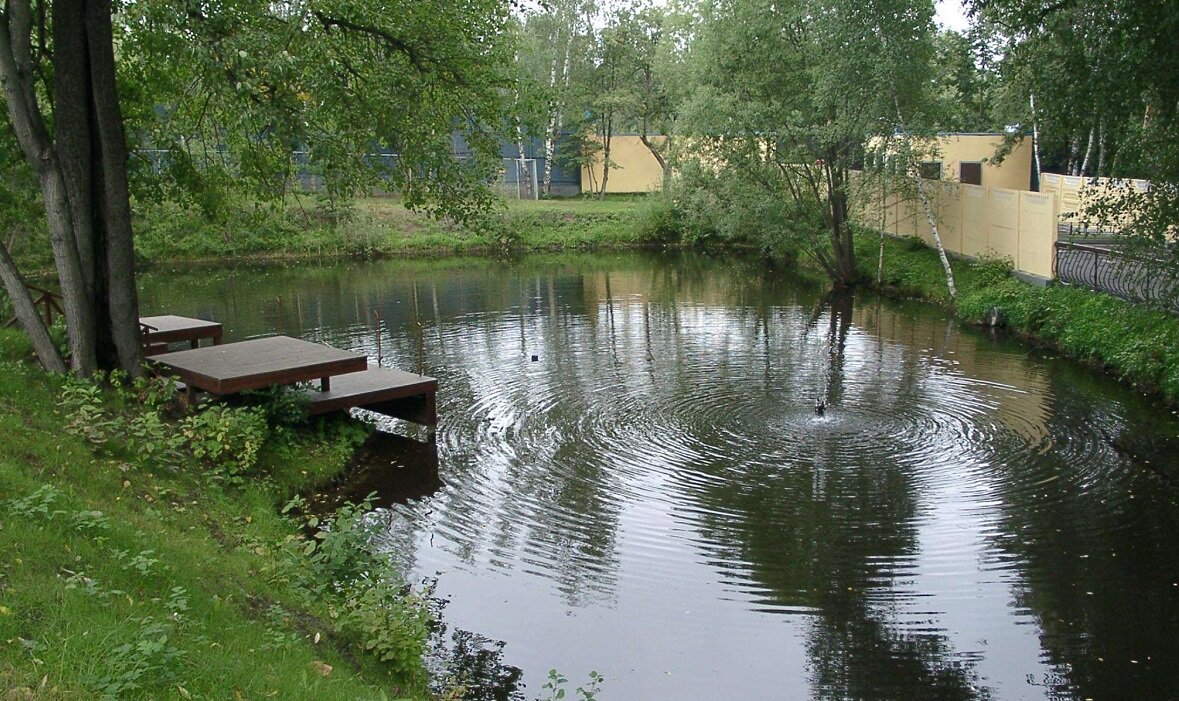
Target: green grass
x=119 y=581
x=1137 y=344
x=383 y=227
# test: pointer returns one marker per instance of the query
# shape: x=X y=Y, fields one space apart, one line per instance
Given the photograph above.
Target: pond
x=704 y=479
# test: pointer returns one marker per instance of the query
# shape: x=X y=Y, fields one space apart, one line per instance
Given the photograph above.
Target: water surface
x=630 y=476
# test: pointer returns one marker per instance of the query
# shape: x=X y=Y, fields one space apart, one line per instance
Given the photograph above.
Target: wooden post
x=378 y=315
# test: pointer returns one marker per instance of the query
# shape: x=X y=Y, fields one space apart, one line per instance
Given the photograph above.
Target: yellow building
x=970 y=159
x=964 y=158
x=633 y=169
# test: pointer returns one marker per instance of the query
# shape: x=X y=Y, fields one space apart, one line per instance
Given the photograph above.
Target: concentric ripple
x=705 y=495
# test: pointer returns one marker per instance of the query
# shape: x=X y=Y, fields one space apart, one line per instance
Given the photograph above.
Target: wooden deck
x=158 y=331
x=345 y=379
x=258 y=363
x=387 y=391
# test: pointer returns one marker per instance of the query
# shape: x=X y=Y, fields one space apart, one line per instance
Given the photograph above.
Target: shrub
x=659 y=221
x=226 y=438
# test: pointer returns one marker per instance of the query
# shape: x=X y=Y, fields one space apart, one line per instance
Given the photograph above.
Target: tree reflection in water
x=958 y=518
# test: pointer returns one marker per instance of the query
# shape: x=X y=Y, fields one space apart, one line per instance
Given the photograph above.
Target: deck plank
x=384 y=390
x=257 y=363
x=170 y=327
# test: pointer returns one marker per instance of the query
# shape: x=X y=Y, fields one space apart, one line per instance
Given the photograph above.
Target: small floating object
x=535 y=358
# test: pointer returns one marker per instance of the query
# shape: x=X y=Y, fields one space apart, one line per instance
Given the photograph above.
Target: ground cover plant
x=144 y=554
x=379 y=226
x=1136 y=343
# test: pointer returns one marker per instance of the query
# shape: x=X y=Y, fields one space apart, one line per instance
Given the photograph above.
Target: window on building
x=970 y=173
x=931 y=170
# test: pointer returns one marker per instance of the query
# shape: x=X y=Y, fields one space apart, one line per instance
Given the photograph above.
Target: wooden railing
x=47 y=300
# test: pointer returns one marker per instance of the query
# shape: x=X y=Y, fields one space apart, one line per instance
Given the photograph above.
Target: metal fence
x=1102 y=267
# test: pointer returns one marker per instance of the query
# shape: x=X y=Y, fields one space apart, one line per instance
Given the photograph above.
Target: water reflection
x=394 y=468
x=655 y=496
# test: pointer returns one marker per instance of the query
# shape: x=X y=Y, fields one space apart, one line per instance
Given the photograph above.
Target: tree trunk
x=937 y=238
x=606 y=158
x=31 y=133
x=556 y=116
x=523 y=182
x=915 y=171
x=1035 y=137
x=26 y=314
x=122 y=299
x=660 y=158
x=1088 y=152
x=82 y=175
x=842 y=248
x=1074 y=155
x=1100 y=170
x=549 y=128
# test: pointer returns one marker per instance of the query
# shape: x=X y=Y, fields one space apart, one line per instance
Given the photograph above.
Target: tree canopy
x=208 y=97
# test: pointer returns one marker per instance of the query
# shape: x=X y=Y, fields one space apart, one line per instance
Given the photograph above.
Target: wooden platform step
x=395 y=393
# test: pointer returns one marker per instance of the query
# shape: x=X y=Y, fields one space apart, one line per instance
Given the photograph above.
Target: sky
x=951 y=15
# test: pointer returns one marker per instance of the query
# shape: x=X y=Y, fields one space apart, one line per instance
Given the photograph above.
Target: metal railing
x=1102 y=267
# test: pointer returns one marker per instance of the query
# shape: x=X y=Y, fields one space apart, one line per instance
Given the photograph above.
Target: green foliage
x=740 y=206
x=148 y=660
x=283 y=406
x=554 y=687
x=133 y=421
x=122 y=580
x=225 y=96
x=660 y=221
x=390 y=625
x=227 y=438
x=35 y=505
x=339 y=568
x=1138 y=344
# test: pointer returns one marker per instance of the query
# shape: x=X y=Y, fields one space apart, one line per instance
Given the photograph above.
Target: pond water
x=631 y=476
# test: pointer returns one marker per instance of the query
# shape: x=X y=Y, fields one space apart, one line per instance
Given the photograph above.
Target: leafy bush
x=1137 y=343
x=660 y=221
x=743 y=206
x=227 y=438
x=338 y=566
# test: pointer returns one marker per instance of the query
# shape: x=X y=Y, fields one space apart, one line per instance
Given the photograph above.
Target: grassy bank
x=1136 y=344
x=144 y=556
x=382 y=227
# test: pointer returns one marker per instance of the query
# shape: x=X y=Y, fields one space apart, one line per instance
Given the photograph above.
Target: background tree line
x=762 y=107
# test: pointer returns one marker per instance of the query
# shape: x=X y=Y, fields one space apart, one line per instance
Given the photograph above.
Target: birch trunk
x=1036 y=137
x=1088 y=152
x=915 y=173
x=937 y=239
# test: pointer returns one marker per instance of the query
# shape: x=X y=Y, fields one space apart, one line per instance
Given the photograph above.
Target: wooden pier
x=157 y=332
x=387 y=391
x=344 y=379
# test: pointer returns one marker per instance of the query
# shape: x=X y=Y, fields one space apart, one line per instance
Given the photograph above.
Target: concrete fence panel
x=948 y=205
x=1003 y=237
x=1050 y=184
x=976 y=220
x=1070 y=198
x=1037 y=233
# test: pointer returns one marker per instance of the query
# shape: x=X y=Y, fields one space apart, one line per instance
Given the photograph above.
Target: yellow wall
x=975 y=221
x=1073 y=193
x=1014 y=173
x=634 y=169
